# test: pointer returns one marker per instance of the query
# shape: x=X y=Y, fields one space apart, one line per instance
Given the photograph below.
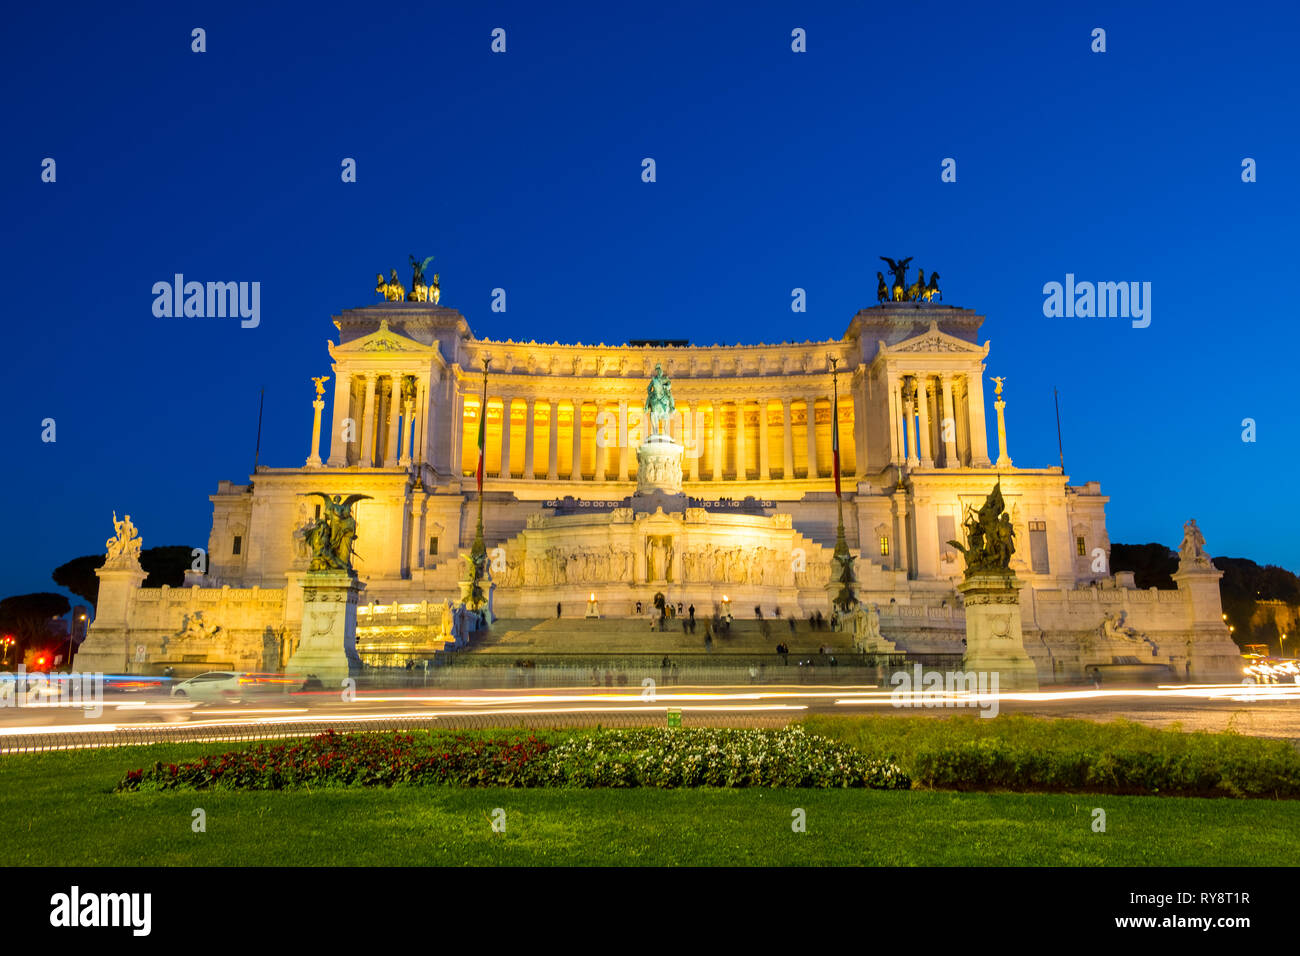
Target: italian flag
x=835 y=445
x=482 y=437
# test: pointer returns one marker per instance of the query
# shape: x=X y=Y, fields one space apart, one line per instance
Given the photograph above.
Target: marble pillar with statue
x=1211 y=653
x=318 y=405
x=327 y=646
x=109 y=648
x=991 y=594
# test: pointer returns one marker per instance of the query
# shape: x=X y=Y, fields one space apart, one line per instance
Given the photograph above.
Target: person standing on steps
x=557 y=610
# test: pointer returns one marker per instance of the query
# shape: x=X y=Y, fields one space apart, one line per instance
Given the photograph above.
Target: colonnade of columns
x=384 y=418
x=942 y=421
x=735 y=440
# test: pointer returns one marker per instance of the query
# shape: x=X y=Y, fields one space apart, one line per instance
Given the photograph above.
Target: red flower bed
x=367 y=760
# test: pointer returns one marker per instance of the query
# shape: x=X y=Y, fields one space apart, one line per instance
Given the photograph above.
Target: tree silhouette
x=165 y=564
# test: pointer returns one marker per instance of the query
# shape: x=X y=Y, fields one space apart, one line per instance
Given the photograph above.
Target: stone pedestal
x=108 y=648
x=994 y=641
x=1004 y=460
x=659 y=466
x=327 y=648
x=1211 y=651
x=313 y=460
x=863 y=622
x=659 y=475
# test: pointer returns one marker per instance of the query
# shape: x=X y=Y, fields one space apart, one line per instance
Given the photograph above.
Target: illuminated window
x=433 y=545
x=1080 y=547
x=884 y=546
x=238 y=546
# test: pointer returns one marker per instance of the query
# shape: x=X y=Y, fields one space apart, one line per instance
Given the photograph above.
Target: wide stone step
x=636 y=636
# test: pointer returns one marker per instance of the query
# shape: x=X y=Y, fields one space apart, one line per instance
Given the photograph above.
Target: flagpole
x=1059 y=447
x=478 y=552
x=835 y=449
x=256 y=454
x=841 y=560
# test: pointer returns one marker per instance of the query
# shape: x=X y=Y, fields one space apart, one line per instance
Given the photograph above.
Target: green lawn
x=59 y=809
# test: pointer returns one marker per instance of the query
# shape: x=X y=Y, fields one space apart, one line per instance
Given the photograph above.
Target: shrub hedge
x=1017 y=752
x=789 y=757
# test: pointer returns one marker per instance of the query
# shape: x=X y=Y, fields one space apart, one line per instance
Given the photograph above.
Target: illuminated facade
x=755 y=420
x=757 y=522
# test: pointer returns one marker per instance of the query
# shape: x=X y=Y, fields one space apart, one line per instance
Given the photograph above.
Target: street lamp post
x=72 y=630
x=841 y=561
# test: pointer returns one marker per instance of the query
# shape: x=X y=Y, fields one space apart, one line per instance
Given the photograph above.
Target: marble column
x=742 y=473
x=923 y=408
x=456 y=437
x=813 y=470
x=903 y=560
x=420 y=421
x=366 y=430
x=553 y=442
x=415 y=540
x=896 y=420
x=717 y=441
x=575 y=473
x=696 y=441
x=1004 y=460
x=860 y=456
x=602 y=447
x=342 y=399
x=529 y=441
x=394 y=405
x=623 y=427
x=764 y=458
x=504 y=471
x=948 y=427
x=313 y=460
x=787 y=423
x=979 y=440
x=406 y=437
x=909 y=419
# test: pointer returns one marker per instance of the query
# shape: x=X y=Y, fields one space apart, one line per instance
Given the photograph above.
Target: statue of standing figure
x=899 y=269
x=659 y=402
x=1192 y=551
x=866 y=627
x=419 y=290
x=124 y=546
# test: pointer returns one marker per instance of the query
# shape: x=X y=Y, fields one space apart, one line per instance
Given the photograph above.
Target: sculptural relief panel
x=574 y=564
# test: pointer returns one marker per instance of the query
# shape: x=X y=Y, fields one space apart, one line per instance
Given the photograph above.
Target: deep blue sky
x=522 y=170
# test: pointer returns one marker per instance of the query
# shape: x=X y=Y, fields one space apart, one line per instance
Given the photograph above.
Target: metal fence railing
x=238 y=733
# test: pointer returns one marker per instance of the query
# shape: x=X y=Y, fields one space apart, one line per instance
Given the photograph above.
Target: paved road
x=1267 y=712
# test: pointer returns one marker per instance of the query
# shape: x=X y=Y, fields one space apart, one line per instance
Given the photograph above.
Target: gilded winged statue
x=331 y=538
x=899 y=269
